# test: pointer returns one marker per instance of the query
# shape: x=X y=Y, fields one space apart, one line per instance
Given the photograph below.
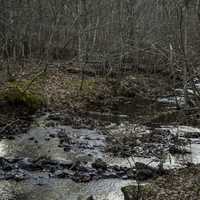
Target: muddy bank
x=140 y=141
x=182 y=184
x=14 y=120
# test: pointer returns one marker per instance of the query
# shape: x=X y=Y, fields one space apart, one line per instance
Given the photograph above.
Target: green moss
x=132 y=192
x=17 y=94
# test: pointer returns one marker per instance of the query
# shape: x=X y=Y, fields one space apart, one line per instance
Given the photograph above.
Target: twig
x=8 y=125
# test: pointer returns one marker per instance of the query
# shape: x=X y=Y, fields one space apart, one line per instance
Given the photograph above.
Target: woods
x=121 y=30
x=99 y=99
x=113 y=34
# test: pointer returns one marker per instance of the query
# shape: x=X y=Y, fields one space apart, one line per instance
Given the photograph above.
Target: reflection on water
x=62 y=190
x=39 y=143
x=35 y=144
x=22 y=146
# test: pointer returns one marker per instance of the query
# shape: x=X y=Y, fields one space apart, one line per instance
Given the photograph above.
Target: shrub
x=16 y=95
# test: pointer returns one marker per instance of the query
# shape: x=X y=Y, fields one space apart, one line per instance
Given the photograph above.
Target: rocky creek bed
x=71 y=157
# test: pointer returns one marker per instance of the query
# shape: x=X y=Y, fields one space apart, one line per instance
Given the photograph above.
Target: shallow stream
x=41 y=141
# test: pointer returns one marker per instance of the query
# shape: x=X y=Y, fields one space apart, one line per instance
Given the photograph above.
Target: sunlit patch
x=4 y=148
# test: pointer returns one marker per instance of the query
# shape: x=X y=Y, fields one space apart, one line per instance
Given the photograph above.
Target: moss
x=16 y=94
x=132 y=192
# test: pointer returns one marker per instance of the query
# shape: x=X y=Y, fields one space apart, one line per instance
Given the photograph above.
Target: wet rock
x=6 y=166
x=20 y=177
x=135 y=192
x=144 y=172
x=10 y=137
x=174 y=149
x=130 y=192
x=90 y=198
x=60 y=174
x=67 y=148
x=55 y=116
x=116 y=168
x=75 y=165
x=69 y=172
x=85 y=146
x=52 y=135
x=50 y=124
x=27 y=164
x=64 y=163
x=99 y=164
x=81 y=177
x=61 y=133
x=64 y=137
x=17 y=175
x=192 y=135
x=67 y=120
x=110 y=175
x=47 y=139
x=131 y=174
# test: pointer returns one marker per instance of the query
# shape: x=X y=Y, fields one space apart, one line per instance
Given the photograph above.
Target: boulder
x=144 y=172
x=135 y=192
x=130 y=192
x=99 y=164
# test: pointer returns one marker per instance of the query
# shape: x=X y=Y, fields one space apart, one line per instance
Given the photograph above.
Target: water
x=170 y=161
x=40 y=141
x=62 y=190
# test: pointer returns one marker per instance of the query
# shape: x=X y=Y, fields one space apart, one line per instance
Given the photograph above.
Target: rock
x=69 y=172
x=67 y=148
x=31 y=138
x=192 y=135
x=64 y=163
x=90 y=198
x=130 y=192
x=51 y=124
x=18 y=175
x=99 y=164
x=61 y=174
x=81 y=177
x=116 y=168
x=110 y=175
x=131 y=174
x=52 y=135
x=68 y=120
x=27 y=164
x=10 y=137
x=144 y=172
x=174 y=149
x=133 y=192
x=5 y=164
x=55 y=116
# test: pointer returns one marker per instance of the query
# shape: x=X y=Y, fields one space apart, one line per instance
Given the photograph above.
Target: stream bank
x=94 y=143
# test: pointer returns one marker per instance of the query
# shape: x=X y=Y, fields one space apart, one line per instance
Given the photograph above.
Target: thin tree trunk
x=186 y=57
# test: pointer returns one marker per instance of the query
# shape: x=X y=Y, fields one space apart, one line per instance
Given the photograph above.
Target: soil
x=182 y=184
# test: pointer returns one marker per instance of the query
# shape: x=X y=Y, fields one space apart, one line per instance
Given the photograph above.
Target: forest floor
x=180 y=184
x=95 y=103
